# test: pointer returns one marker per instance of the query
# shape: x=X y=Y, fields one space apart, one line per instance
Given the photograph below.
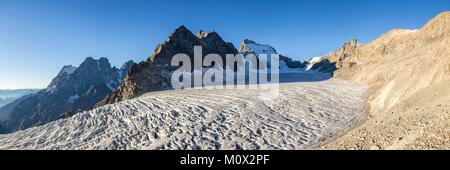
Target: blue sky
x=38 y=37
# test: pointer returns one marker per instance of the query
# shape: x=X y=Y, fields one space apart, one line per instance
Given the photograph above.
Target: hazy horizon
x=40 y=37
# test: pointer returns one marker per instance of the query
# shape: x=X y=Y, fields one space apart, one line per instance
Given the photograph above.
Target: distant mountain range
x=286 y=64
x=8 y=96
x=95 y=83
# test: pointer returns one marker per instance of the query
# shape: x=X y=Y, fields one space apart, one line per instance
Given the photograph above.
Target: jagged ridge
x=74 y=89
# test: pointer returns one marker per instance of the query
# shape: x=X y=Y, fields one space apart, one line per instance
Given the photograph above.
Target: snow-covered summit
x=249 y=46
x=74 y=89
x=69 y=69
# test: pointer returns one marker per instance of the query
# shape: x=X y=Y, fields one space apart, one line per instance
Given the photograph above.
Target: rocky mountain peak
x=181 y=28
x=62 y=76
x=343 y=53
x=202 y=34
x=90 y=72
x=286 y=64
x=212 y=42
x=439 y=26
x=399 y=59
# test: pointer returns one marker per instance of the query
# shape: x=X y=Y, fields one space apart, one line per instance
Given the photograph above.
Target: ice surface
x=304 y=115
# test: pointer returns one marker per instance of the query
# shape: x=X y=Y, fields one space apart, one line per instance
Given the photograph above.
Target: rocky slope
x=73 y=90
x=400 y=66
x=286 y=64
x=408 y=70
x=302 y=117
x=249 y=46
x=6 y=100
x=335 y=60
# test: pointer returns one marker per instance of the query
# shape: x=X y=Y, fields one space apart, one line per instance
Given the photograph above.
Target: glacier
x=304 y=116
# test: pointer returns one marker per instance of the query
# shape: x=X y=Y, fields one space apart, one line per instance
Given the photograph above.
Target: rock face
x=249 y=46
x=335 y=60
x=410 y=73
x=73 y=90
x=342 y=55
x=155 y=73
